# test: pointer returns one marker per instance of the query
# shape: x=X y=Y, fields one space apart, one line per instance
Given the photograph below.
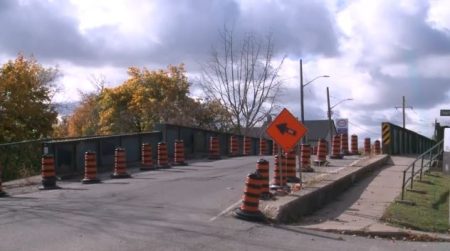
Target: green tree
x=26 y=89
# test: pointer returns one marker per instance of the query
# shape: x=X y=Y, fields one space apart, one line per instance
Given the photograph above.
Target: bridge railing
x=397 y=140
x=421 y=164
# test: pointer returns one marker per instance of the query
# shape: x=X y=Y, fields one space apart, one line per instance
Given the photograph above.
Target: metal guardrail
x=20 y=159
x=426 y=161
x=400 y=141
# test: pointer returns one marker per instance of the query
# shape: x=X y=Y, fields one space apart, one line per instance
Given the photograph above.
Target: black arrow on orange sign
x=283 y=128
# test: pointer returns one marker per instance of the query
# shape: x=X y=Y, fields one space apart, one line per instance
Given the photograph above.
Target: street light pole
x=301 y=98
x=302 y=86
x=330 y=124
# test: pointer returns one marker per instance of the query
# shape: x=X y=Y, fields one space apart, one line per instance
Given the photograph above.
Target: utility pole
x=403 y=109
x=301 y=99
x=329 y=118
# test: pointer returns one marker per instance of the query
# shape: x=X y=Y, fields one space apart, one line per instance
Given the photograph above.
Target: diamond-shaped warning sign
x=286 y=130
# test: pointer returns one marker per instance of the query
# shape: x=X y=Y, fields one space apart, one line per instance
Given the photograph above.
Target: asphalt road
x=182 y=208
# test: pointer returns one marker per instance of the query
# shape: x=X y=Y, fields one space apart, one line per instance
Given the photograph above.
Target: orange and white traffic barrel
x=321 y=158
x=214 y=148
x=163 y=157
x=262 y=147
x=48 y=173
x=234 y=146
x=279 y=173
x=291 y=167
x=377 y=147
x=274 y=148
x=344 y=144
x=367 y=149
x=247 y=146
x=90 y=168
x=305 y=156
x=315 y=148
x=249 y=210
x=146 y=157
x=262 y=167
x=335 y=148
x=179 y=153
x=120 y=164
x=354 y=144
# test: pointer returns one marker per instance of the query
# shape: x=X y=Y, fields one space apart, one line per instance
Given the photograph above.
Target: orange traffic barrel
x=321 y=158
x=274 y=148
x=247 y=146
x=120 y=164
x=262 y=147
x=90 y=168
x=279 y=173
x=163 y=158
x=291 y=167
x=335 y=148
x=305 y=156
x=214 y=148
x=48 y=173
x=234 y=146
x=377 y=147
x=354 y=144
x=2 y=193
x=179 y=153
x=146 y=157
x=367 y=146
x=262 y=167
x=249 y=210
x=344 y=144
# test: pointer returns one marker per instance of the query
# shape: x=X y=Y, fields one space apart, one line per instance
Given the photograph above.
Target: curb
x=292 y=207
x=410 y=235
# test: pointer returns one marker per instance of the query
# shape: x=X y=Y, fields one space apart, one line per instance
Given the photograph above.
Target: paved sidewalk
x=360 y=208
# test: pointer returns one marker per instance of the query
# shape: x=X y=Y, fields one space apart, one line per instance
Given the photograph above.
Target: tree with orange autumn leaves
x=146 y=98
x=26 y=89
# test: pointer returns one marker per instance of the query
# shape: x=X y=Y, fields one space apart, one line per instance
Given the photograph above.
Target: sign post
x=286 y=131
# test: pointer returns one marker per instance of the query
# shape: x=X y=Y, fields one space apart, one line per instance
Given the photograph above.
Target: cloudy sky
x=375 y=51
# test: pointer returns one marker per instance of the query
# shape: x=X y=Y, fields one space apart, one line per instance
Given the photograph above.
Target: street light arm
x=309 y=82
x=348 y=99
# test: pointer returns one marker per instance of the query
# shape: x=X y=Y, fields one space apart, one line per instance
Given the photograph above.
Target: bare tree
x=242 y=76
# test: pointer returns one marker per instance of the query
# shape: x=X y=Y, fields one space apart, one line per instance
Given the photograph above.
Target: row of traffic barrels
x=233 y=151
x=120 y=163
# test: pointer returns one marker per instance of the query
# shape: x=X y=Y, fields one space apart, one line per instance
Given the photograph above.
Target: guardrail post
x=412 y=174
x=421 y=169
x=403 y=185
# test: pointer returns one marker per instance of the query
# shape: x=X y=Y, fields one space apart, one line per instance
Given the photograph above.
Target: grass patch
x=431 y=210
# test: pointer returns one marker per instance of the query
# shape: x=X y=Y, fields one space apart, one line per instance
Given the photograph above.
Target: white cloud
x=375 y=51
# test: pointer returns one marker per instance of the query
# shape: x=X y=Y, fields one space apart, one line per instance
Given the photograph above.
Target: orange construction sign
x=286 y=130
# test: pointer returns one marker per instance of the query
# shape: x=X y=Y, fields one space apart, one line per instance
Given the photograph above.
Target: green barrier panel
x=398 y=141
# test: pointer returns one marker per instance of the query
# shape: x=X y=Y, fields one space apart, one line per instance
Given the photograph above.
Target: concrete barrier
x=315 y=195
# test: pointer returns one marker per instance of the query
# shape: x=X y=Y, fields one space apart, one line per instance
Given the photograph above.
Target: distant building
x=317 y=129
